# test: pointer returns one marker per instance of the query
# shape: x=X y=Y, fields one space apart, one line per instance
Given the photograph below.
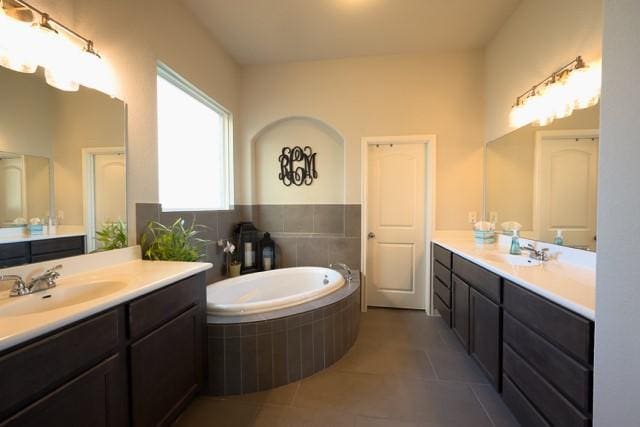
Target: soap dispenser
x=515 y=244
x=559 y=240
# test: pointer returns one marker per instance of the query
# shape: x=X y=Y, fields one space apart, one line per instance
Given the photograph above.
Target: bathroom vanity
x=119 y=345
x=40 y=248
x=529 y=328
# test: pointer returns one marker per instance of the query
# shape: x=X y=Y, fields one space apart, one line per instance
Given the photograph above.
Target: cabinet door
x=95 y=399
x=460 y=318
x=166 y=369
x=484 y=335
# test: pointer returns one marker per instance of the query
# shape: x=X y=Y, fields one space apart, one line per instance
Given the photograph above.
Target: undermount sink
x=59 y=297
x=515 y=260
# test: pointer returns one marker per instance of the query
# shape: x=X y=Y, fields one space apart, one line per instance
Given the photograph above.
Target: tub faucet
x=343 y=266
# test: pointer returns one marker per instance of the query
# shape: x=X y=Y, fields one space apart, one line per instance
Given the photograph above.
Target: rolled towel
x=483 y=226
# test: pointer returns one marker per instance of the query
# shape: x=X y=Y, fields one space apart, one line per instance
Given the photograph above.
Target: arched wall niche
x=326 y=141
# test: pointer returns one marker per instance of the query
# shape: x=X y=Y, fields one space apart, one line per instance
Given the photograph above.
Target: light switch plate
x=493 y=217
x=473 y=217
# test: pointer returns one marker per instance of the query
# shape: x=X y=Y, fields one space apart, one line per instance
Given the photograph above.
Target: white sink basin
x=59 y=297
x=515 y=260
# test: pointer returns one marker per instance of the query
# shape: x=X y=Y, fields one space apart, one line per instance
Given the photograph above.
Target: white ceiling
x=267 y=31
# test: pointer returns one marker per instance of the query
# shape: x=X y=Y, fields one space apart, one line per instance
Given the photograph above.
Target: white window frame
x=162 y=70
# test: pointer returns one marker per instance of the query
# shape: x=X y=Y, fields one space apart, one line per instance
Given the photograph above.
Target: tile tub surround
x=273 y=349
x=305 y=235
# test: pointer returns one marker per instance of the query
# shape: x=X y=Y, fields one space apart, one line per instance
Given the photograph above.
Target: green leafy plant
x=175 y=242
x=112 y=236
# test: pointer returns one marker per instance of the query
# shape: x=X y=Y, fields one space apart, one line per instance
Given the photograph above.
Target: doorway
x=105 y=198
x=565 y=186
x=397 y=215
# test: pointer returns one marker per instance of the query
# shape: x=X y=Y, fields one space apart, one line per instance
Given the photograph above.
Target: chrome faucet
x=537 y=254
x=46 y=280
x=343 y=266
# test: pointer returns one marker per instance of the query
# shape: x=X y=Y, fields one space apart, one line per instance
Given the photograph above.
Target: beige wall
x=377 y=96
x=26 y=126
x=540 y=37
x=616 y=365
x=84 y=119
x=132 y=36
x=326 y=143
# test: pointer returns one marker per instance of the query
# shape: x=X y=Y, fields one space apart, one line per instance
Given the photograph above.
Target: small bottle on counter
x=515 y=244
x=559 y=240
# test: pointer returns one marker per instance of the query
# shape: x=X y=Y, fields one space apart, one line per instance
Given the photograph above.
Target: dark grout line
x=484 y=409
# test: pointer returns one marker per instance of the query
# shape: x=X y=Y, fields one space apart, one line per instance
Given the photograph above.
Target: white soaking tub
x=271 y=290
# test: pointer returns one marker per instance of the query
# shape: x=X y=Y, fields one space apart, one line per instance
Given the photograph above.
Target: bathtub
x=271 y=290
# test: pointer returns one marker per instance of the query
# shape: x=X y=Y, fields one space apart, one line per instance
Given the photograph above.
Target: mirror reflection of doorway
x=105 y=190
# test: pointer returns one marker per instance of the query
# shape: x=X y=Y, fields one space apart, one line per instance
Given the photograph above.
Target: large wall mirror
x=545 y=179
x=62 y=161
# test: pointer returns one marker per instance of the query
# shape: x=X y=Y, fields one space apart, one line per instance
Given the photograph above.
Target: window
x=195 y=152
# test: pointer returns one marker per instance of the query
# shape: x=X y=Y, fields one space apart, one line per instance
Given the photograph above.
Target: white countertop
x=15 y=235
x=570 y=285
x=137 y=277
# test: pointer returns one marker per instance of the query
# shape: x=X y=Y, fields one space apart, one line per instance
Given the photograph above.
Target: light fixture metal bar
x=59 y=24
x=576 y=63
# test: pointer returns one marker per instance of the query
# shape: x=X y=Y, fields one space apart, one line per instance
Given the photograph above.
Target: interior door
x=567 y=190
x=110 y=183
x=13 y=203
x=396 y=247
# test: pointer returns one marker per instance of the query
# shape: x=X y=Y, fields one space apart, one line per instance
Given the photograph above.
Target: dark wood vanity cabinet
x=484 y=334
x=536 y=352
x=441 y=279
x=19 y=253
x=105 y=371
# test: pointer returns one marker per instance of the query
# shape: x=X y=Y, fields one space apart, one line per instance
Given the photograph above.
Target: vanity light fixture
x=574 y=86
x=68 y=58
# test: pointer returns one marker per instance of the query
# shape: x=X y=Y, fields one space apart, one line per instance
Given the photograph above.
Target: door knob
x=371 y=235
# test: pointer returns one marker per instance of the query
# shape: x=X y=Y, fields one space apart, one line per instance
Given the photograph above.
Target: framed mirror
x=62 y=167
x=544 y=180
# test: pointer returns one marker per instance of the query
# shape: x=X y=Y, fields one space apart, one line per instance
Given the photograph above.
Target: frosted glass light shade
x=58 y=55
x=94 y=73
x=15 y=45
x=584 y=85
x=518 y=116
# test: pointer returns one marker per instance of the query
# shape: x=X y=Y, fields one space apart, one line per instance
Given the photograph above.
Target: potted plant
x=233 y=264
x=112 y=236
x=174 y=242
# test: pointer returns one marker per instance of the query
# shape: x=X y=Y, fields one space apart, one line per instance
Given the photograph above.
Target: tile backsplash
x=305 y=235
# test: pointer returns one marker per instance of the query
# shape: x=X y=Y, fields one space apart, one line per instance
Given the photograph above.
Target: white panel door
x=396 y=248
x=13 y=203
x=567 y=190
x=110 y=185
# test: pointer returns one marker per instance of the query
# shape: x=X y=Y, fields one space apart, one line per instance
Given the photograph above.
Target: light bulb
x=557 y=101
x=15 y=49
x=518 y=116
x=94 y=73
x=584 y=85
x=59 y=56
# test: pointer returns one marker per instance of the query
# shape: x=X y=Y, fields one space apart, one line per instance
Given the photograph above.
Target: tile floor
x=405 y=369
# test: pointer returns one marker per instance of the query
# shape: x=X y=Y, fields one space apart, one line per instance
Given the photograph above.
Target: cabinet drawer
x=483 y=280
x=558 y=410
x=151 y=311
x=56 y=255
x=442 y=273
x=442 y=308
x=14 y=250
x=570 y=377
x=12 y=262
x=571 y=332
x=442 y=291
x=521 y=408
x=90 y=400
x=37 y=368
x=62 y=244
x=442 y=255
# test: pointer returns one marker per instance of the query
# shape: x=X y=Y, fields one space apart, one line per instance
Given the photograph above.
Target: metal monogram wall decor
x=297 y=166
